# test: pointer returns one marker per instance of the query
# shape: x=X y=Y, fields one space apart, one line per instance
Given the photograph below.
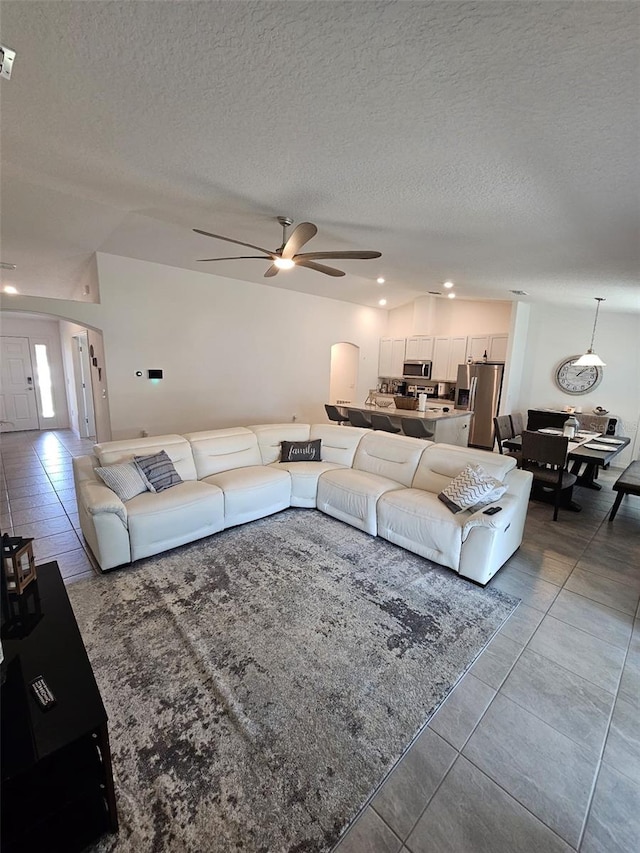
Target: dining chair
x=545 y=456
x=415 y=428
x=383 y=423
x=358 y=419
x=334 y=414
x=503 y=431
x=517 y=423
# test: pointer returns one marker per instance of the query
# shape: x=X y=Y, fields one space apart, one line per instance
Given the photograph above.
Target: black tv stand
x=57 y=782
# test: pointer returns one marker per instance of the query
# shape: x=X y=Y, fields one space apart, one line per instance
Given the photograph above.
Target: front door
x=18 y=409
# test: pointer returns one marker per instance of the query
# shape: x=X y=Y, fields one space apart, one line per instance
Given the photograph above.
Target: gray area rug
x=262 y=682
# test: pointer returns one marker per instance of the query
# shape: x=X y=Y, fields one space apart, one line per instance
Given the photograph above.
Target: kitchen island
x=450 y=427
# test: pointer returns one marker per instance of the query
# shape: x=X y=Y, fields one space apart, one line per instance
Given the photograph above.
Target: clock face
x=573 y=379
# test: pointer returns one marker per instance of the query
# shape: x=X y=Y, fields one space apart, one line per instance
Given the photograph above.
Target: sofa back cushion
x=339 y=443
x=177 y=448
x=218 y=450
x=440 y=463
x=270 y=436
x=393 y=456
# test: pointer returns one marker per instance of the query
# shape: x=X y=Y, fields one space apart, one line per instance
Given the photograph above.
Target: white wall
x=556 y=332
x=41 y=331
x=430 y=315
x=232 y=352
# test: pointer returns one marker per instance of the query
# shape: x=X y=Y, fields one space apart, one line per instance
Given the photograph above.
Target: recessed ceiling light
x=448 y=284
x=10 y=289
x=451 y=295
x=284 y=263
x=382 y=302
x=380 y=280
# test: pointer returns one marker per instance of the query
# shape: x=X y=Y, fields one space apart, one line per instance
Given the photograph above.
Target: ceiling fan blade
x=318 y=267
x=273 y=270
x=236 y=258
x=363 y=256
x=239 y=242
x=300 y=235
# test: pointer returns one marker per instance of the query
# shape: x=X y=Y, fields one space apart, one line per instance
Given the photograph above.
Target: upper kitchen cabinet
x=495 y=347
x=498 y=347
x=448 y=353
x=419 y=348
x=477 y=346
x=391 y=357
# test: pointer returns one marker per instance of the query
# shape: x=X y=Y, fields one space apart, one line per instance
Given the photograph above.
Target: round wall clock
x=573 y=379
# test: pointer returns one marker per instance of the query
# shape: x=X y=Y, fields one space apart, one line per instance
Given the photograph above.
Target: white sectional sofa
x=384 y=484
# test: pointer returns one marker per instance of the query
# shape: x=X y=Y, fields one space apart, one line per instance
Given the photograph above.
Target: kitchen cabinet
x=391 y=357
x=457 y=355
x=419 y=348
x=498 y=347
x=441 y=352
x=477 y=346
x=448 y=353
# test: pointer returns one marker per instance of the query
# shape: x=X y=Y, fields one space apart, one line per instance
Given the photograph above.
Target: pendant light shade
x=590 y=358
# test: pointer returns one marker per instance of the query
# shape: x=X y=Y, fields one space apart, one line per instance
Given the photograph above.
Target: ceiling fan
x=288 y=255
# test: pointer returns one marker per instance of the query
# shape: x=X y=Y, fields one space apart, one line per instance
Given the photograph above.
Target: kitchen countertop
x=435 y=414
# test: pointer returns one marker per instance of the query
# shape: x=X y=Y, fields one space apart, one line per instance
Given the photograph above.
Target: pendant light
x=590 y=358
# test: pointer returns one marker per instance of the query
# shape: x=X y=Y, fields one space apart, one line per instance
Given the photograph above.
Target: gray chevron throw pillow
x=473 y=488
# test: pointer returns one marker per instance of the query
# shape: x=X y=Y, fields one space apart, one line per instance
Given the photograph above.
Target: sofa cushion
x=301 y=451
x=219 y=450
x=394 y=457
x=124 y=479
x=252 y=492
x=304 y=480
x=339 y=443
x=158 y=471
x=163 y=520
x=271 y=436
x=418 y=521
x=177 y=447
x=440 y=463
x=351 y=495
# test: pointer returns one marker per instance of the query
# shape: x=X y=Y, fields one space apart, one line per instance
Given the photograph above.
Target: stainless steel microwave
x=416 y=370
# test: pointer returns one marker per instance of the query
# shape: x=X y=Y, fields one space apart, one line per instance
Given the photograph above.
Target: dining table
x=591 y=449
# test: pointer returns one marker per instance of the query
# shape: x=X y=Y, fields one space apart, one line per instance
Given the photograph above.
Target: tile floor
x=538 y=747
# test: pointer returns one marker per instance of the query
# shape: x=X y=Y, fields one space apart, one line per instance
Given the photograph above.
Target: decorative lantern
x=18 y=563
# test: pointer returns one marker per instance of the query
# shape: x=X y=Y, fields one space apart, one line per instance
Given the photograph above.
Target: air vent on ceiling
x=435 y=293
x=5 y=266
x=519 y=292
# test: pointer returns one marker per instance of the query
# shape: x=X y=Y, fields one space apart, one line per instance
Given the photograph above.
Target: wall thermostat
x=154 y=374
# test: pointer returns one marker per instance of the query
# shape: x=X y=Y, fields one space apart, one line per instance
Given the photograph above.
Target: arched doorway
x=345 y=360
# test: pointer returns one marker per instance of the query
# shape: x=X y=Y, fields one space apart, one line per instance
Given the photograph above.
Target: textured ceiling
x=495 y=144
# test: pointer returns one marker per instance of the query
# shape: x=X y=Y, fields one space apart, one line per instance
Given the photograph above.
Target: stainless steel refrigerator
x=478 y=390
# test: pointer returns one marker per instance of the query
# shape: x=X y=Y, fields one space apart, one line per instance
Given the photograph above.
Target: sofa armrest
x=499 y=521
x=96 y=498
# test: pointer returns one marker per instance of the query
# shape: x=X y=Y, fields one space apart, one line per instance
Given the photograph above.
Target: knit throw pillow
x=473 y=488
x=158 y=471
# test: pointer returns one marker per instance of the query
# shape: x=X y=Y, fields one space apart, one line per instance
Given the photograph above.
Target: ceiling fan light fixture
x=590 y=358
x=284 y=263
